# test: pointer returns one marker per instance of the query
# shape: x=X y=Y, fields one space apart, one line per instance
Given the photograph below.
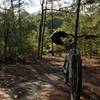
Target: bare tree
x=19 y=20
x=6 y=34
x=40 y=30
x=77 y=20
x=43 y=31
x=52 y=26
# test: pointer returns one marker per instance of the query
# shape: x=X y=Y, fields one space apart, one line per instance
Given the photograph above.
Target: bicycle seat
x=56 y=37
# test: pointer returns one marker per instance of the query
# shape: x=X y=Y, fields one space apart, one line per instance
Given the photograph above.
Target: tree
x=40 y=29
x=43 y=31
x=13 y=20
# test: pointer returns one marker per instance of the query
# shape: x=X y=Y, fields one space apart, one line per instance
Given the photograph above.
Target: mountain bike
x=72 y=67
x=73 y=64
x=73 y=70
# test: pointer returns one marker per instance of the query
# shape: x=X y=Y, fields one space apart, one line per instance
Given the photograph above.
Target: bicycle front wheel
x=76 y=77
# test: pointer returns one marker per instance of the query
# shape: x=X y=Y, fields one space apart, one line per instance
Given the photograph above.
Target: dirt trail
x=44 y=81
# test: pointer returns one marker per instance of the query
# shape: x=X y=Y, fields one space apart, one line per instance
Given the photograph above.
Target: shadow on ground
x=27 y=80
x=44 y=80
x=91 y=83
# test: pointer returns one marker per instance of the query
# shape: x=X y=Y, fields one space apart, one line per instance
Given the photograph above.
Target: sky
x=36 y=6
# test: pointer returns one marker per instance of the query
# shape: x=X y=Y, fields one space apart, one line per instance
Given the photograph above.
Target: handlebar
x=68 y=46
x=85 y=36
x=56 y=37
x=91 y=36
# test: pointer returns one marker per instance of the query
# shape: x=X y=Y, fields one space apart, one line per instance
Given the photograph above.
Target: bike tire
x=65 y=70
x=76 y=79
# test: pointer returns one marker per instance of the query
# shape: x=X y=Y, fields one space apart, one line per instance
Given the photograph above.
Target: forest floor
x=44 y=80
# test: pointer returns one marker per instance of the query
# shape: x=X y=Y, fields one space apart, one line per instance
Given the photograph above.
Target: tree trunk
x=20 y=27
x=43 y=30
x=52 y=28
x=5 y=46
x=6 y=36
x=11 y=28
x=40 y=31
x=77 y=20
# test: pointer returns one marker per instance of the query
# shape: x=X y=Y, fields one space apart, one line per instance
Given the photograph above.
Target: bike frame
x=72 y=52
x=70 y=70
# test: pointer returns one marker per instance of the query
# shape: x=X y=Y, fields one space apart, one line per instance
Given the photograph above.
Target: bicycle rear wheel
x=76 y=77
x=65 y=70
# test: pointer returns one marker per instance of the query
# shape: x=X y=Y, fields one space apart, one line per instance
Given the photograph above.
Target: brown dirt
x=48 y=75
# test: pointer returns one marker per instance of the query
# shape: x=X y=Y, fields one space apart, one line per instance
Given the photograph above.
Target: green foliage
x=23 y=40
x=19 y=42
x=68 y=23
x=57 y=22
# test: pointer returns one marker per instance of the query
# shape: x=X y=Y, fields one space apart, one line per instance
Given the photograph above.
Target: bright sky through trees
x=36 y=7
